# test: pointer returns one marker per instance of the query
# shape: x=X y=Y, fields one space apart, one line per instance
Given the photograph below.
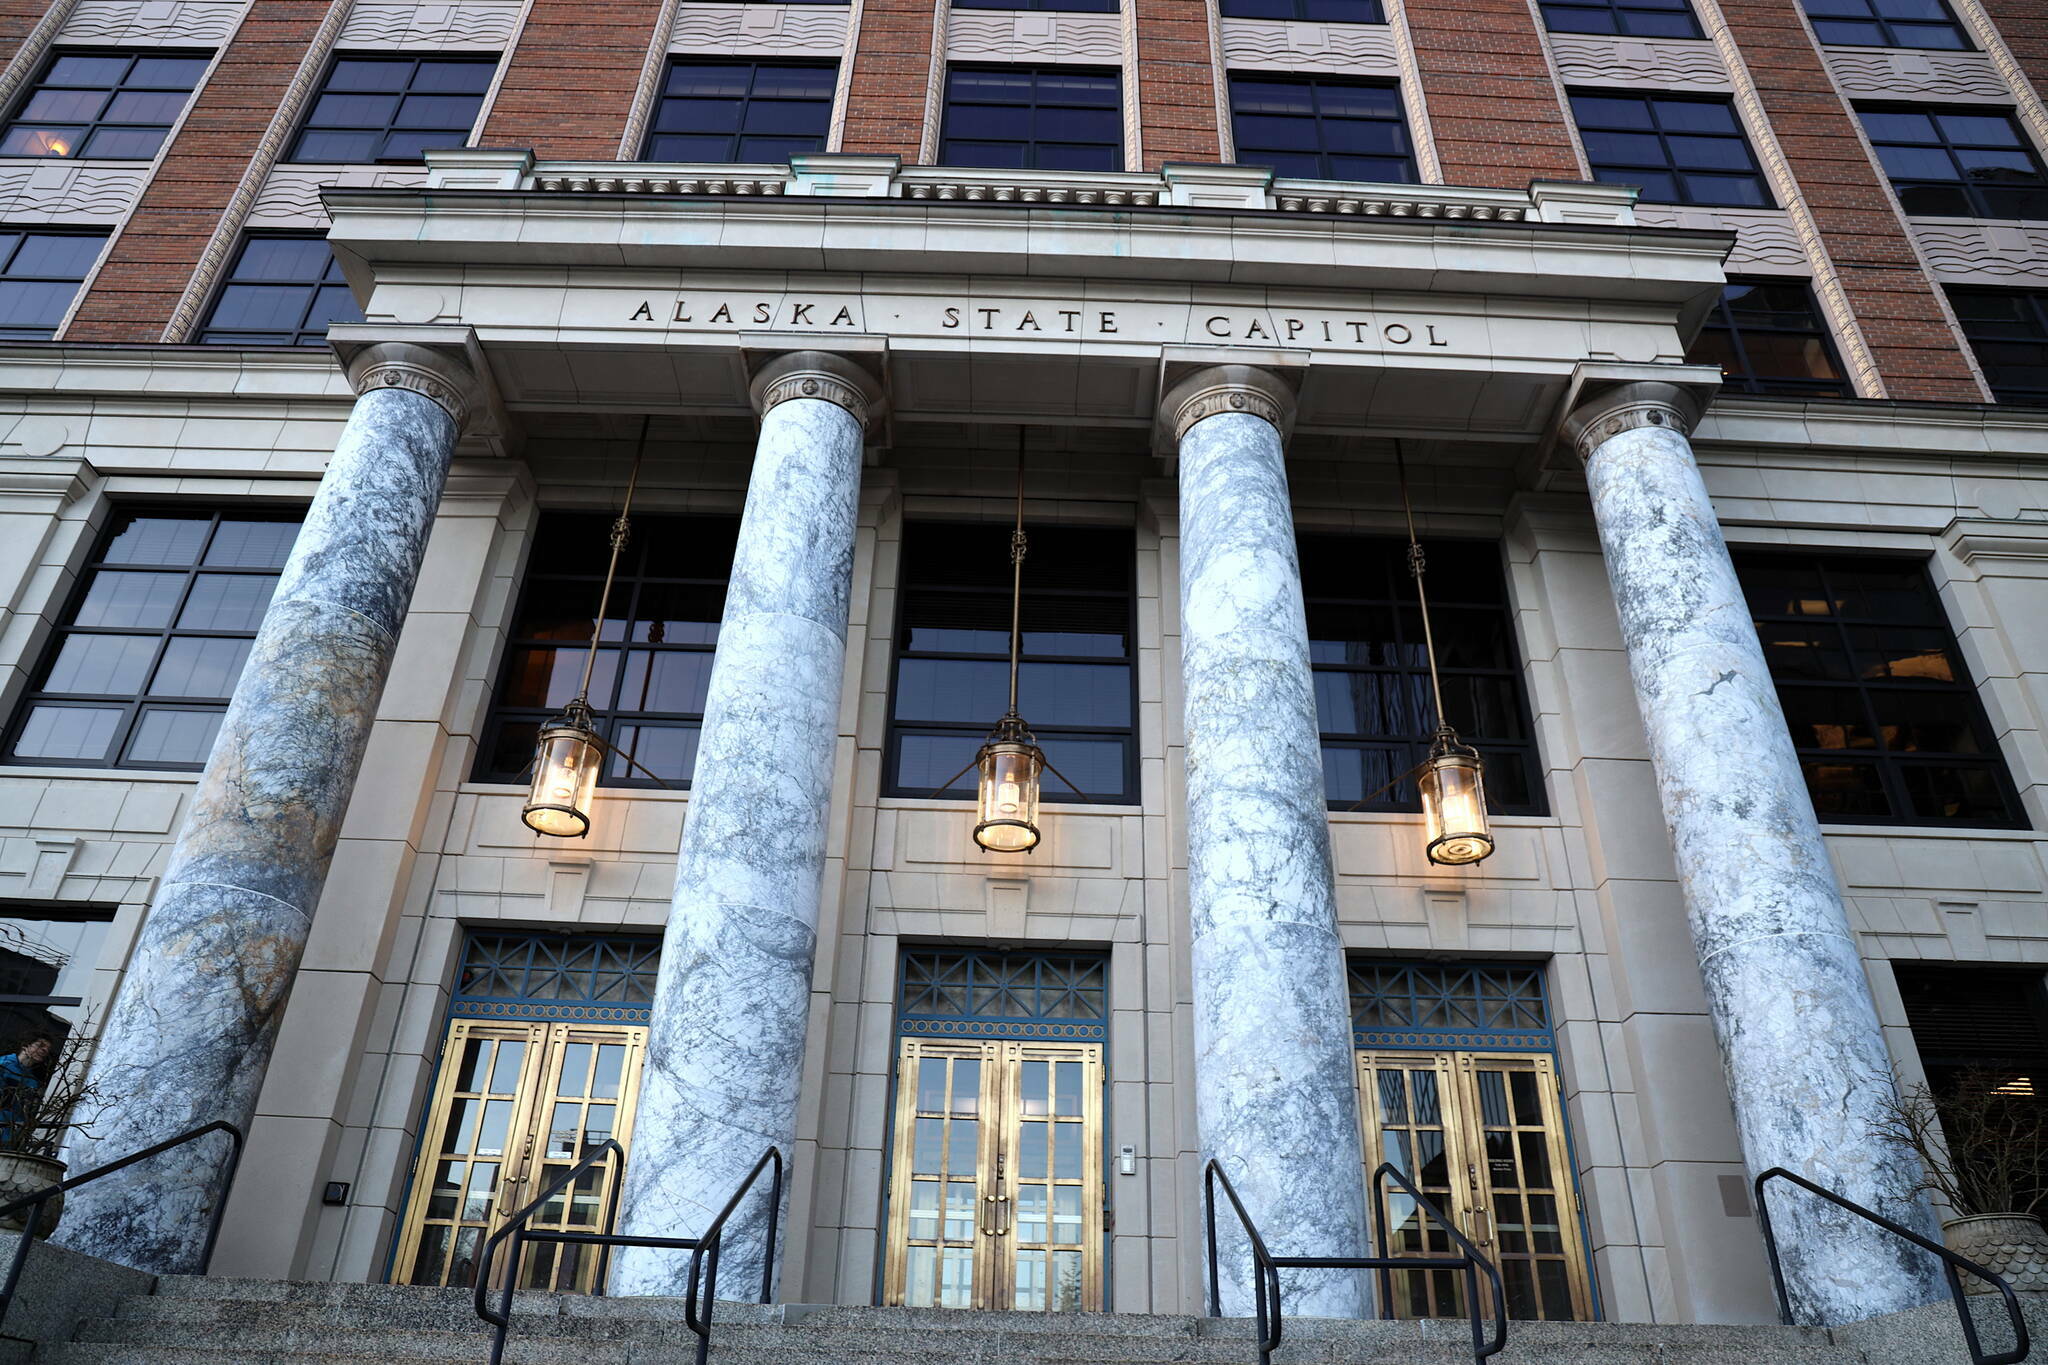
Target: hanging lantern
x=1010 y=766
x=565 y=768
x=1453 y=789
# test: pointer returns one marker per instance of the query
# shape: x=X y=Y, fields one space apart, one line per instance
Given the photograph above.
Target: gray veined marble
x=1275 y=1087
x=726 y=1038
x=190 y=1033
x=1807 y=1066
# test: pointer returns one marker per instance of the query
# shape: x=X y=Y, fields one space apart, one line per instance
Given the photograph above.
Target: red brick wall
x=1918 y=354
x=569 y=87
x=1492 y=106
x=2024 y=26
x=892 y=68
x=140 y=284
x=1176 y=85
x=17 y=19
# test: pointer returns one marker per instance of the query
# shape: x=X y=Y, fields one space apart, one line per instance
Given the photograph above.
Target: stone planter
x=24 y=1175
x=2013 y=1244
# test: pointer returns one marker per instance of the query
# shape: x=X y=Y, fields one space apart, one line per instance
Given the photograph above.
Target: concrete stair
x=268 y=1322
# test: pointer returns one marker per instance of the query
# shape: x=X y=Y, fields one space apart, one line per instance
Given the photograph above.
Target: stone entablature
x=885 y=177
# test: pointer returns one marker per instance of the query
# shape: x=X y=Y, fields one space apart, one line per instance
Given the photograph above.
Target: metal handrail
x=1950 y=1263
x=1475 y=1261
x=34 y=1202
x=1266 y=1278
x=1267 y=1267
x=709 y=1242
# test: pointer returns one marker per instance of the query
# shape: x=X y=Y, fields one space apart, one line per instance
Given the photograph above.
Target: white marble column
x=726 y=1043
x=1806 y=1064
x=191 y=1030
x=1275 y=1073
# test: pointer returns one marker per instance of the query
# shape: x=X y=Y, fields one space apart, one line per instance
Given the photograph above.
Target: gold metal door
x=515 y=1106
x=996 y=1191
x=1483 y=1136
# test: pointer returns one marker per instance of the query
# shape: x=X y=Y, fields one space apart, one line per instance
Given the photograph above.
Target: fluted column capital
x=818 y=374
x=1227 y=388
x=1604 y=413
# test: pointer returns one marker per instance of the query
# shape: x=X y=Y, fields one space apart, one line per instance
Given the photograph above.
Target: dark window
x=1033 y=118
x=47 y=958
x=1887 y=726
x=1958 y=163
x=1076 y=686
x=654 y=664
x=2008 y=329
x=281 y=291
x=1629 y=18
x=1372 y=674
x=151 y=645
x=1886 y=23
x=1977 y=1018
x=109 y=106
x=39 y=276
x=393 y=108
x=1085 y=6
x=1767 y=337
x=1681 y=151
x=1320 y=128
x=742 y=111
x=1311 y=11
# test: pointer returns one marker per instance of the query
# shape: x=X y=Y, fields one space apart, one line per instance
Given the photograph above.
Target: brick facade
x=569 y=86
x=1176 y=86
x=146 y=271
x=1918 y=354
x=1493 y=107
x=892 y=68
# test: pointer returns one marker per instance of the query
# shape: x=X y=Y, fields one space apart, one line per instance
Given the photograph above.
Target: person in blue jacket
x=21 y=1079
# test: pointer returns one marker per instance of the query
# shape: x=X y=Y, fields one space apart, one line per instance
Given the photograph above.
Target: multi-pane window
x=1958 y=163
x=1373 y=702
x=393 y=108
x=150 y=648
x=281 y=291
x=47 y=958
x=39 y=275
x=108 y=106
x=1886 y=23
x=1033 y=118
x=742 y=111
x=1310 y=11
x=1882 y=713
x=1629 y=18
x=654 y=658
x=1084 y=6
x=1768 y=337
x=2008 y=330
x=1321 y=128
x=1681 y=151
x=1076 y=685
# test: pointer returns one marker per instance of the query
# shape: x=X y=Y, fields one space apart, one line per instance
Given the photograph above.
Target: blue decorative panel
x=586 y=978
x=1492 y=1007
x=954 y=993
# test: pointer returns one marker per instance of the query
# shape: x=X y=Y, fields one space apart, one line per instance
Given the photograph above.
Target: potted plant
x=1983 y=1144
x=45 y=1094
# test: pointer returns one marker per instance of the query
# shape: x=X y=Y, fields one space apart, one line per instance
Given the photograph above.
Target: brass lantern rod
x=622 y=531
x=1415 y=567
x=1018 y=547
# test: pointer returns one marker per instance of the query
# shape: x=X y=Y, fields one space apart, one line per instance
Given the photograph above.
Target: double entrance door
x=995 y=1192
x=1483 y=1137
x=515 y=1106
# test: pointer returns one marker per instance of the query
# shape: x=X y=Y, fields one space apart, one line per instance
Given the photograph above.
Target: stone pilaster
x=726 y=1042
x=1806 y=1064
x=1275 y=1089
x=191 y=1030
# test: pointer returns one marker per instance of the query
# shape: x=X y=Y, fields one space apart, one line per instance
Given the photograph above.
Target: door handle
x=1483 y=1233
x=1001 y=1203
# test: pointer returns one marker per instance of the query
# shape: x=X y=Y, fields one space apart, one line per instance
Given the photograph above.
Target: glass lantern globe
x=564 y=780
x=1009 y=796
x=1454 y=808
